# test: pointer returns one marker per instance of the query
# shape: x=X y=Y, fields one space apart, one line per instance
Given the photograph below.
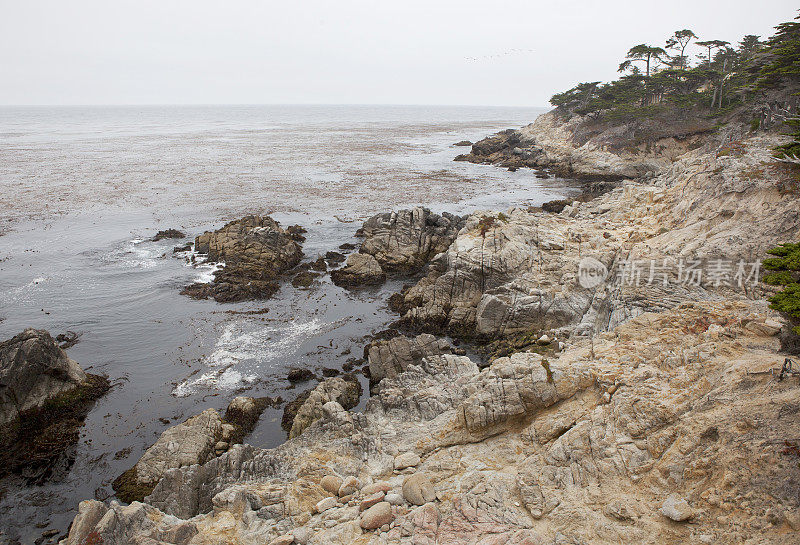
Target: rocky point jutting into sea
x=636 y=407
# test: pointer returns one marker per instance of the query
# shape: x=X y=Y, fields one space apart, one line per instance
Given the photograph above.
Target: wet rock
x=319 y=265
x=406 y=240
x=418 y=489
x=360 y=270
x=330 y=372
x=44 y=399
x=344 y=391
x=168 y=233
x=463 y=143
x=304 y=279
x=33 y=369
x=300 y=375
x=555 y=207
x=388 y=358
x=347 y=246
x=296 y=232
x=183 y=248
x=334 y=258
x=67 y=340
x=377 y=516
x=256 y=251
x=243 y=413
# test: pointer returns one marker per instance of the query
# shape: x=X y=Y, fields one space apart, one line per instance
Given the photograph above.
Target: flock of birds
x=500 y=55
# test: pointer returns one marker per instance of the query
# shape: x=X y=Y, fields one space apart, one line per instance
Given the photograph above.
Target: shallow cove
x=84 y=191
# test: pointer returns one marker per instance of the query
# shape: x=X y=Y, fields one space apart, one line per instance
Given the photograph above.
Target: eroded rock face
x=194 y=441
x=406 y=240
x=255 y=250
x=388 y=358
x=670 y=396
x=360 y=270
x=603 y=153
x=33 y=369
x=520 y=271
x=584 y=448
x=344 y=391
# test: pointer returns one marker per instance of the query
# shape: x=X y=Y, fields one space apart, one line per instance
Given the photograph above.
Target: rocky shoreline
x=44 y=399
x=633 y=405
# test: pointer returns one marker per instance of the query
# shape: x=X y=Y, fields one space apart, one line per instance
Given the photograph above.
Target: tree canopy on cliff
x=723 y=77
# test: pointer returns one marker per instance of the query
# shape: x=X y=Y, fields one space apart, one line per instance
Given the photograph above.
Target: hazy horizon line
x=193 y=104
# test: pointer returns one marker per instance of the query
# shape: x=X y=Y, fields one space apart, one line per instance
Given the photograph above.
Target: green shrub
x=785 y=272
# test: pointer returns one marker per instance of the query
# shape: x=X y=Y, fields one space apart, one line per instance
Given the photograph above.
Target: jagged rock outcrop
x=255 y=250
x=583 y=148
x=33 y=370
x=586 y=447
x=344 y=391
x=44 y=398
x=665 y=426
x=168 y=233
x=406 y=240
x=194 y=441
x=390 y=357
x=360 y=270
x=519 y=271
x=401 y=242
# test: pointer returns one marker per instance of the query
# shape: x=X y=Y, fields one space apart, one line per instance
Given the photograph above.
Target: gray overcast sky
x=411 y=52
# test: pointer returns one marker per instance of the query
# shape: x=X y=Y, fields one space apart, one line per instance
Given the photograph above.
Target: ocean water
x=84 y=189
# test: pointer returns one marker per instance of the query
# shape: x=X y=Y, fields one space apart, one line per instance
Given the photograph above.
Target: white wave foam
x=241 y=354
x=134 y=254
x=206 y=271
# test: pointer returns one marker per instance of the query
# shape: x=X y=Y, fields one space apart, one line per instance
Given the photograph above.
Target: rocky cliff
x=655 y=418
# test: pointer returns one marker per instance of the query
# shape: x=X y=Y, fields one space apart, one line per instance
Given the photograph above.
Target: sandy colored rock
x=344 y=392
x=388 y=358
x=327 y=503
x=188 y=443
x=657 y=391
x=331 y=483
x=371 y=500
x=418 y=489
x=377 y=516
x=379 y=486
x=349 y=486
x=360 y=270
x=406 y=460
x=676 y=509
